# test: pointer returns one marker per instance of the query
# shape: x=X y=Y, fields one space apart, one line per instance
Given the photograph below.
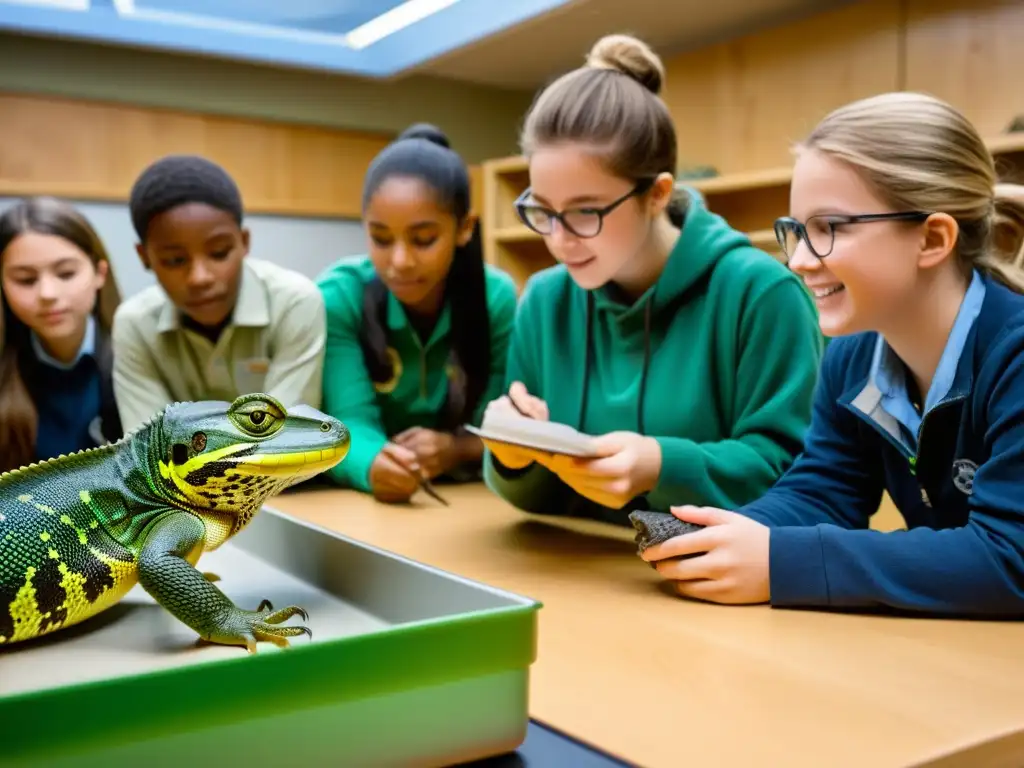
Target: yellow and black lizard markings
x=56 y=568
x=201 y=480
x=226 y=486
x=230 y=476
x=72 y=528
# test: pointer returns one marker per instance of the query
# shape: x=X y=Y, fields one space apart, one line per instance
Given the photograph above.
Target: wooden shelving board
x=750 y=201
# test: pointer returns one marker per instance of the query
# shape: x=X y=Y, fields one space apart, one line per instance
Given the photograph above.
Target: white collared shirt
x=274 y=343
x=887 y=372
x=87 y=347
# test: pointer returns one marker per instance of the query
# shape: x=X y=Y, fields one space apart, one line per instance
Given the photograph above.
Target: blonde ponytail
x=1008 y=224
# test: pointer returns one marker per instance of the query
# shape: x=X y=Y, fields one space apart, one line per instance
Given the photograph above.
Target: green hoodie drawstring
x=589 y=359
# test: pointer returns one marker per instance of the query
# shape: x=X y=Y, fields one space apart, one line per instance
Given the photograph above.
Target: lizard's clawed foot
x=241 y=627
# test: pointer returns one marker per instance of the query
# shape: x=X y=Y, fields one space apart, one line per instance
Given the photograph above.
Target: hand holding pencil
x=397 y=473
x=520 y=401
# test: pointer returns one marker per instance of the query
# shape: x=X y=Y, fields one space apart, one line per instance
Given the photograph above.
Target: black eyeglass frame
x=521 y=207
x=787 y=223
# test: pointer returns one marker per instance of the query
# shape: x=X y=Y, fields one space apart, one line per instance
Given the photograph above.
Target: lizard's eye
x=199 y=442
x=261 y=422
x=257 y=417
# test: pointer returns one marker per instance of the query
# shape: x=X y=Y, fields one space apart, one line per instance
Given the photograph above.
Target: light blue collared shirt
x=887 y=372
x=88 y=347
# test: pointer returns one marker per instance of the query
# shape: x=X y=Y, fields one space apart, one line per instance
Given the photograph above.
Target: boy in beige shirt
x=219 y=324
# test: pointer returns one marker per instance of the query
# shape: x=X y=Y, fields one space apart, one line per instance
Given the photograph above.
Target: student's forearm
x=533 y=488
x=468 y=449
x=802 y=499
x=723 y=474
x=354 y=470
x=968 y=570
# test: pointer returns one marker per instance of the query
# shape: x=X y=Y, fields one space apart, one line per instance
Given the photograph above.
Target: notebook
x=525 y=432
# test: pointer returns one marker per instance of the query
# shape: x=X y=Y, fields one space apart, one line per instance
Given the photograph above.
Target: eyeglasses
x=582 y=222
x=820 y=231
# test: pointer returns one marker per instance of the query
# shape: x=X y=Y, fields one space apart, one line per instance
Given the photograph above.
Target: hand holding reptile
x=713 y=555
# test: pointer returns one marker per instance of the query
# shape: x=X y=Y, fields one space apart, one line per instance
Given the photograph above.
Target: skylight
x=397 y=18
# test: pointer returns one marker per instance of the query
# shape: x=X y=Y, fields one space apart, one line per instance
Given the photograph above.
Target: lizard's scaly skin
x=657 y=527
x=79 y=531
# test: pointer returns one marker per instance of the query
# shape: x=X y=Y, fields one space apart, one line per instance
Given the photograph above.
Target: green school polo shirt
x=416 y=393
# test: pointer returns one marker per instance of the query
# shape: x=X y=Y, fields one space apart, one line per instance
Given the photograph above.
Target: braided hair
x=177 y=180
x=422 y=151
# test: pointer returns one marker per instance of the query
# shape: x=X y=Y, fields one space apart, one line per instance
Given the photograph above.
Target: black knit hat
x=179 y=179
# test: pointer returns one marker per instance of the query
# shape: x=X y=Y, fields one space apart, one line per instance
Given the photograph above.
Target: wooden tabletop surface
x=662 y=681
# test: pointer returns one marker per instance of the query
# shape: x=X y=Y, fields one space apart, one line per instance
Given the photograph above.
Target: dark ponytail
x=422 y=151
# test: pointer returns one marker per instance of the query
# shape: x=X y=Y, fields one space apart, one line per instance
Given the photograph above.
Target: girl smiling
x=913 y=253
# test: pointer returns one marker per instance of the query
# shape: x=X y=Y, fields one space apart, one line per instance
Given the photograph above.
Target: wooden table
x=662 y=681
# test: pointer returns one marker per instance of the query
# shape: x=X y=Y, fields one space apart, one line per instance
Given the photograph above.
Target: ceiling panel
x=325 y=16
x=336 y=35
x=533 y=52
x=508 y=43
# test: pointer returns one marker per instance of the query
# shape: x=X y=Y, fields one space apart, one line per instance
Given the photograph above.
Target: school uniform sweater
x=74 y=401
x=956 y=476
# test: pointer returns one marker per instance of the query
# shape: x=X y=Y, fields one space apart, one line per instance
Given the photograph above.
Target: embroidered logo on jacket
x=387 y=387
x=963 y=475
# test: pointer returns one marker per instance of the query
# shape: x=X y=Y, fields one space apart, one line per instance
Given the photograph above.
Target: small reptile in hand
x=658 y=527
x=77 y=532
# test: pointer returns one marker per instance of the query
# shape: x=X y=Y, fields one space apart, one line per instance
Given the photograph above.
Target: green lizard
x=79 y=531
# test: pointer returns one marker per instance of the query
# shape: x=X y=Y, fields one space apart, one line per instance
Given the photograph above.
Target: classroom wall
x=307 y=245
x=301 y=186
x=741 y=104
x=95 y=150
x=481 y=122
x=80 y=121
x=738 y=105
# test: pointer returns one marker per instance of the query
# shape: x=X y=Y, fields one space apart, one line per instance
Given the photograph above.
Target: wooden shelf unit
x=749 y=201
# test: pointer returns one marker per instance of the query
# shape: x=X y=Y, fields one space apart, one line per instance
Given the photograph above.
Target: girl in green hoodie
x=417 y=331
x=692 y=355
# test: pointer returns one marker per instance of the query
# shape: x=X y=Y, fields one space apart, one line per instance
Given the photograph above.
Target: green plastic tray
x=408 y=666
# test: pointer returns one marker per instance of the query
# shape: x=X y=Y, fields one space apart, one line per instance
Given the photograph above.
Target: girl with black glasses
x=690 y=354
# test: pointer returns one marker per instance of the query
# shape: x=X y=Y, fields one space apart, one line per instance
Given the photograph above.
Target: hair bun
x=630 y=56
x=427 y=132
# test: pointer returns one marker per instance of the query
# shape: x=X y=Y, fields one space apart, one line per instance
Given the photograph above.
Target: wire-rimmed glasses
x=819 y=232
